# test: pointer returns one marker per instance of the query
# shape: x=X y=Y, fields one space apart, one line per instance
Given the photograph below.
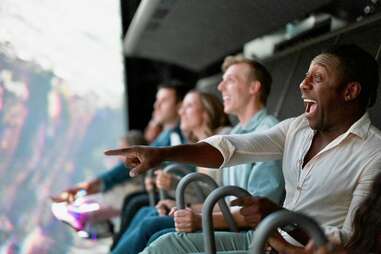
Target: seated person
x=331 y=154
x=201 y=115
x=106 y=181
x=168 y=101
x=245 y=88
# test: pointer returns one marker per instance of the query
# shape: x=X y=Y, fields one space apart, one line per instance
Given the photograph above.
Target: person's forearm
x=200 y=154
x=114 y=177
x=196 y=208
x=95 y=186
x=220 y=223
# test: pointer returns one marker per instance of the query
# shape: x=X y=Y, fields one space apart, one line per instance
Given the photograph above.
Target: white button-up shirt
x=331 y=185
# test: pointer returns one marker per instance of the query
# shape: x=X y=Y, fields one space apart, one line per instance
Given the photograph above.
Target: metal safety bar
x=180 y=196
x=151 y=193
x=265 y=228
x=282 y=218
x=207 y=213
x=178 y=169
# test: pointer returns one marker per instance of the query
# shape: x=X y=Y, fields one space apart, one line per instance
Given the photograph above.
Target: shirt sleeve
x=362 y=190
x=115 y=176
x=246 y=148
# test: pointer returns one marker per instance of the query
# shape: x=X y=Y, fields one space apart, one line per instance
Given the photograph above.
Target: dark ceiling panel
x=194 y=34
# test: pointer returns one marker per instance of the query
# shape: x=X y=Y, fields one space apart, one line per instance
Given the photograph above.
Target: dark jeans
x=131 y=205
x=146 y=223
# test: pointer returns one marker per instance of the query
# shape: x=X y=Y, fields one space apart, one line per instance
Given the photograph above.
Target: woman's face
x=192 y=114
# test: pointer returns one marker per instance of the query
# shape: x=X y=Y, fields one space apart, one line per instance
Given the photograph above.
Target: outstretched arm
x=91 y=187
x=143 y=158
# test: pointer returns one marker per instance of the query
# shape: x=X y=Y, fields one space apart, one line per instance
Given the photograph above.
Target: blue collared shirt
x=261 y=178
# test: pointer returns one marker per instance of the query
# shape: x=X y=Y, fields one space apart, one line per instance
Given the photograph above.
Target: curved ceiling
x=194 y=34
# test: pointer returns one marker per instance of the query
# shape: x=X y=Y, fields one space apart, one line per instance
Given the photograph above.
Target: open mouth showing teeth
x=311 y=105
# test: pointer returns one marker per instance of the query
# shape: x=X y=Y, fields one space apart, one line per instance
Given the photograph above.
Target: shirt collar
x=254 y=121
x=361 y=127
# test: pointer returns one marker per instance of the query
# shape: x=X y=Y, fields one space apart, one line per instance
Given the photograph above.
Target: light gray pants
x=194 y=243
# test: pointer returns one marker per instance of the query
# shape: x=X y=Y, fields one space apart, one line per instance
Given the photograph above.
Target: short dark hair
x=358 y=66
x=180 y=88
x=257 y=72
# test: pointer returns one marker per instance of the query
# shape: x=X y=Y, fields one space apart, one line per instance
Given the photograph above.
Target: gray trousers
x=194 y=243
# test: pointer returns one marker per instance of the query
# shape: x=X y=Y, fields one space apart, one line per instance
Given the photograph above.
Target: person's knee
x=160 y=233
x=166 y=238
x=144 y=213
x=159 y=245
x=153 y=224
x=148 y=227
x=147 y=210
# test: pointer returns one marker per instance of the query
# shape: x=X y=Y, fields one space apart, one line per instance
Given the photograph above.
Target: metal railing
x=180 y=196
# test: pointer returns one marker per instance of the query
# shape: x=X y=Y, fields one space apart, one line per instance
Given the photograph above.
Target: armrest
x=180 y=196
x=282 y=218
x=207 y=213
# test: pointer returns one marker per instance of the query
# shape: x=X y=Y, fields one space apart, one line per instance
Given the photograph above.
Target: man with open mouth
x=330 y=154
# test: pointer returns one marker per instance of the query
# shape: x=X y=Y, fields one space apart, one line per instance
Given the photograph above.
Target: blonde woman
x=201 y=115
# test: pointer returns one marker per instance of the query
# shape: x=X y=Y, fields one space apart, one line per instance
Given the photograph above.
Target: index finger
x=119 y=151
